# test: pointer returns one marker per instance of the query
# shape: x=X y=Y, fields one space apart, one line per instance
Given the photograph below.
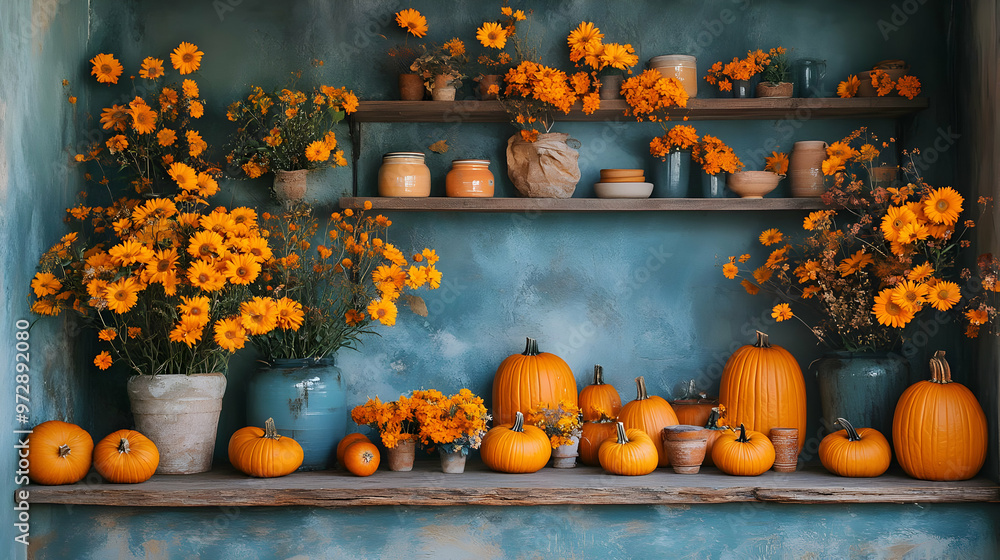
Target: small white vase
x=564 y=456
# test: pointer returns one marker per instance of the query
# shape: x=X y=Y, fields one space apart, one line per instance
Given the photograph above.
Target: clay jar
x=805 y=168
x=685 y=447
x=469 y=178
x=679 y=66
x=404 y=174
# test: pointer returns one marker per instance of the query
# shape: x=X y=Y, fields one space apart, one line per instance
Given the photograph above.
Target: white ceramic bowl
x=623 y=190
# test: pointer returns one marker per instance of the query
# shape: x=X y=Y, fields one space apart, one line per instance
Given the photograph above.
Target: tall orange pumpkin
x=762 y=388
x=524 y=380
x=939 y=429
x=650 y=414
x=599 y=397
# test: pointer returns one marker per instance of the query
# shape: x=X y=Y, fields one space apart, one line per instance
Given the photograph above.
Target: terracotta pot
x=443 y=94
x=452 y=462
x=786 y=448
x=411 y=87
x=805 y=168
x=884 y=175
x=290 y=186
x=693 y=412
x=401 y=457
x=484 y=85
x=753 y=184
x=180 y=413
x=782 y=89
x=866 y=89
x=611 y=87
x=685 y=447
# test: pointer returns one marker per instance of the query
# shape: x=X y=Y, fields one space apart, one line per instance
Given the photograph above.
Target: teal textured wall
x=639 y=293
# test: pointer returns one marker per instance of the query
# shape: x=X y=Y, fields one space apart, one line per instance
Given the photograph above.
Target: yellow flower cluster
x=586 y=43
x=562 y=422
x=497 y=35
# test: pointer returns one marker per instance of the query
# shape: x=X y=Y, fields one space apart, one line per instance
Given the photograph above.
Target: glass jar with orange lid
x=404 y=174
x=469 y=178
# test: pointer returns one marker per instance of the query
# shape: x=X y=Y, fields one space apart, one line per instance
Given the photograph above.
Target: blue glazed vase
x=861 y=387
x=672 y=175
x=743 y=89
x=713 y=186
x=308 y=401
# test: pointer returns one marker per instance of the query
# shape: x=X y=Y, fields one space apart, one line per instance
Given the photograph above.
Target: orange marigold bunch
x=394 y=420
x=535 y=91
x=680 y=137
x=907 y=86
x=715 y=156
x=720 y=74
x=456 y=423
x=651 y=96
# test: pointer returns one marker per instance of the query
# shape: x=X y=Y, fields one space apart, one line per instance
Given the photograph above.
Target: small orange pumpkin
x=59 y=453
x=524 y=380
x=856 y=453
x=347 y=441
x=264 y=453
x=743 y=453
x=126 y=457
x=591 y=438
x=650 y=414
x=516 y=448
x=939 y=428
x=631 y=453
x=361 y=458
x=599 y=397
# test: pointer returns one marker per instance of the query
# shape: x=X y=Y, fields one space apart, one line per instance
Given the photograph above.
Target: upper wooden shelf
x=427 y=486
x=446 y=204
x=614 y=110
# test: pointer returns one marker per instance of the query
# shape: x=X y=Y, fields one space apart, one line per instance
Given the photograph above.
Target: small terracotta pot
x=685 y=447
x=781 y=89
x=484 y=86
x=411 y=87
x=884 y=175
x=401 y=457
x=693 y=412
x=866 y=89
x=786 y=448
x=443 y=90
x=290 y=186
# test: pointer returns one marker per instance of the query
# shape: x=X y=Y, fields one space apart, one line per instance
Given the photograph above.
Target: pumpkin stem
x=852 y=434
x=598 y=375
x=743 y=431
x=622 y=438
x=531 y=348
x=640 y=386
x=518 y=422
x=64 y=450
x=762 y=341
x=123 y=446
x=940 y=370
x=270 y=432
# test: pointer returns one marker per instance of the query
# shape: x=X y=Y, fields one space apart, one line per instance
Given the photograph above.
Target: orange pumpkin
x=591 y=438
x=762 y=387
x=718 y=427
x=856 y=453
x=743 y=452
x=939 y=429
x=126 y=457
x=59 y=453
x=264 y=453
x=599 y=397
x=361 y=458
x=650 y=414
x=347 y=441
x=631 y=453
x=524 y=380
x=516 y=448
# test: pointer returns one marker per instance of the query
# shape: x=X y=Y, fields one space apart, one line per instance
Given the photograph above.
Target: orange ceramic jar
x=469 y=178
x=404 y=174
x=682 y=67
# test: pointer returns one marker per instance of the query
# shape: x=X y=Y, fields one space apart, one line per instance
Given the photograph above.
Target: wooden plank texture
x=468 y=111
x=427 y=486
x=445 y=204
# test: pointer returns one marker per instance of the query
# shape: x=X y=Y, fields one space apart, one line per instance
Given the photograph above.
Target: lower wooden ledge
x=427 y=486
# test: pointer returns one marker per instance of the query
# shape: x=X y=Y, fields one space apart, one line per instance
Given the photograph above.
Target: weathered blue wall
x=640 y=293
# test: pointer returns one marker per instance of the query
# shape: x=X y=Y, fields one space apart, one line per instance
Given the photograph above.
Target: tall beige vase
x=180 y=413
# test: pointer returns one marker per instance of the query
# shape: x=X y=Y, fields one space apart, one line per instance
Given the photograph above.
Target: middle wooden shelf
x=446 y=204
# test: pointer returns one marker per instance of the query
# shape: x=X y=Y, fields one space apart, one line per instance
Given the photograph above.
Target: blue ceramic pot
x=743 y=89
x=861 y=387
x=672 y=175
x=308 y=401
x=714 y=186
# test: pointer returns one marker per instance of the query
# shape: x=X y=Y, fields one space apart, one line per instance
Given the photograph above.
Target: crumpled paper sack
x=545 y=168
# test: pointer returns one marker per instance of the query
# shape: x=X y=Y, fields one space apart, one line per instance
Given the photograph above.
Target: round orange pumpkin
x=516 y=448
x=743 y=452
x=631 y=453
x=59 y=453
x=855 y=453
x=126 y=457
x=599 y=397
x=650 y=414
x=762 y=387
x=592 y=436
x=939 y=429
x=524 y=380
x=264 y=453
x=361 y=458
x=347 y=441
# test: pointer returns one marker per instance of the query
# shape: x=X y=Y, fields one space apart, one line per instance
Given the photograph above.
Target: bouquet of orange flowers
x=534 y=92
x=562 y=423
x=649 y=95
x=885 y=256
x=498 y=35
x=150 y=132
x=165 y=281
x=680 y=137
x=455 y=424
x=394 y=420
x=741 y=69
x=715 y=156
